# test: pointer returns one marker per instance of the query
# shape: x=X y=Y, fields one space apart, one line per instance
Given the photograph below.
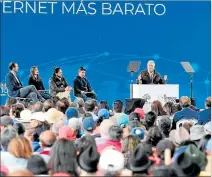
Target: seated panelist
x=150 y=76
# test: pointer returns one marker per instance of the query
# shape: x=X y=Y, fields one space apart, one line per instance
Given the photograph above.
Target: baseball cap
x=140 y=112
x=75 y=123
x=40 y=116
x=111 y=160
x=104 y=113
x=88 y=124
x=122 y=119
x=139 y=132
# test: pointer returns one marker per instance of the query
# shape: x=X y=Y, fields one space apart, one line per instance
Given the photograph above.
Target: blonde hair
x=20 y=147
x=32 y=70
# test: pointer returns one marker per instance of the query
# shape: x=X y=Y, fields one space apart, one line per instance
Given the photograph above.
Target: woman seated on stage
x=36 y=80
x=58 y=85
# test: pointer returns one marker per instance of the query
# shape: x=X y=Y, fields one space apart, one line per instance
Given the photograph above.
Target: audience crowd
x=63 y=138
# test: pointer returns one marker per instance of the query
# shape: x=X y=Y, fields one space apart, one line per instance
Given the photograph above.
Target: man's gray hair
x=7 y=134
x=115 y=133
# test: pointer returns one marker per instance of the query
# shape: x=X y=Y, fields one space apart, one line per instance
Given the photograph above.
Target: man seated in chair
x=16 y=89
x=82 y=87
x=205 y=115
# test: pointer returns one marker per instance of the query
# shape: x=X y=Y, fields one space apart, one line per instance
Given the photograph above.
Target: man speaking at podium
x=150 y=76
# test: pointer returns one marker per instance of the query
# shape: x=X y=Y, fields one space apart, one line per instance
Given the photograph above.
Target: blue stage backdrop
x=106 y=44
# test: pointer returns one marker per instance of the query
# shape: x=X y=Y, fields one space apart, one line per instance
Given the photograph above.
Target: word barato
x=78 y=8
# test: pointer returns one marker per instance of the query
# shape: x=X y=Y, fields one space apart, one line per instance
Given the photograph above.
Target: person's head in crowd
x=132 y=124
x=26 y=115
x=190 y=162
x=165 y=125
x=178 y=136
x=176 y=107
x=140 y=133
x=197 y=132
x=5 y=121
x=13 y=67
x=168 y=108
x=151 y=66
x=71 y=112
x=104 y=127
x=37 y=107
x=62 y=106
x=203 y=142
x=74 y=105
x=134 y=116
x=20 y=147
x=76 y=124
x=47 y=105
x=19 y=128
x=102 y=114
x=129 y=143
x=63 y=157
x=33 y=137
x=122 y=120
x=84 y=142
x=111 y=162
x=115 y=133
x=154 y=136
x=80 y=102
x=47 y=139
x=7 y=134
x=89 y=125
x=21 y=173
x=208 y=103
x=140 y=112
x=58 y=72
x=139 y=162
x=150 y=119
x=88 y=160
x=103 y=104
x=37 y=165
x=185 y=101
x=90 y=106
x=53 y=115
x=56 y=126
x=81 y=72
x=118 y=106
x=4 y=111
x=157 y=108
x=162 y=146
x=15 y=110
x=67 y=132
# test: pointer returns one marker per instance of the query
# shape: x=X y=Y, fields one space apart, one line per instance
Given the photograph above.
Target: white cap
x=40 y=116
x=25 y=115
x=111 y=160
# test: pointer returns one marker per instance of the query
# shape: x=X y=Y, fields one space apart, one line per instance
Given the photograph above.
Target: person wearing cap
x=71 y=112
x=82 y=87
x=53 y=115
x=89 y=125
x=197 y=132
x=139 y=161
x=140 y=112
x=138 y=132
x=205 y=115
x=111 y=162
x=104 y=131
x=88 y=160
x=115 y=134
x=25 y=115
x=38 y=121
x=67 y=132
x=186 y=112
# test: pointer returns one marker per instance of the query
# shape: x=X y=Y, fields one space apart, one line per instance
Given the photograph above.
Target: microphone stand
x=191 y=85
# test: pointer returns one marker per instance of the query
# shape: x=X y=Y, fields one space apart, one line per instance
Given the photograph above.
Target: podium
x=163 y=93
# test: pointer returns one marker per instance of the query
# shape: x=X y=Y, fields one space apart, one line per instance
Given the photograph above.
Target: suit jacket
x=37 y=82
x=204 y=116
x=13 y=85
x=145 y=78
x=57 y=85
x=81 y=84
x=186 y=113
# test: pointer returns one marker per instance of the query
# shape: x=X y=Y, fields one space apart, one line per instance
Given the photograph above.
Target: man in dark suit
x=150 y=76
x=82 y=87
x=205 y=115
x=15 y=87
x=186 y=112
